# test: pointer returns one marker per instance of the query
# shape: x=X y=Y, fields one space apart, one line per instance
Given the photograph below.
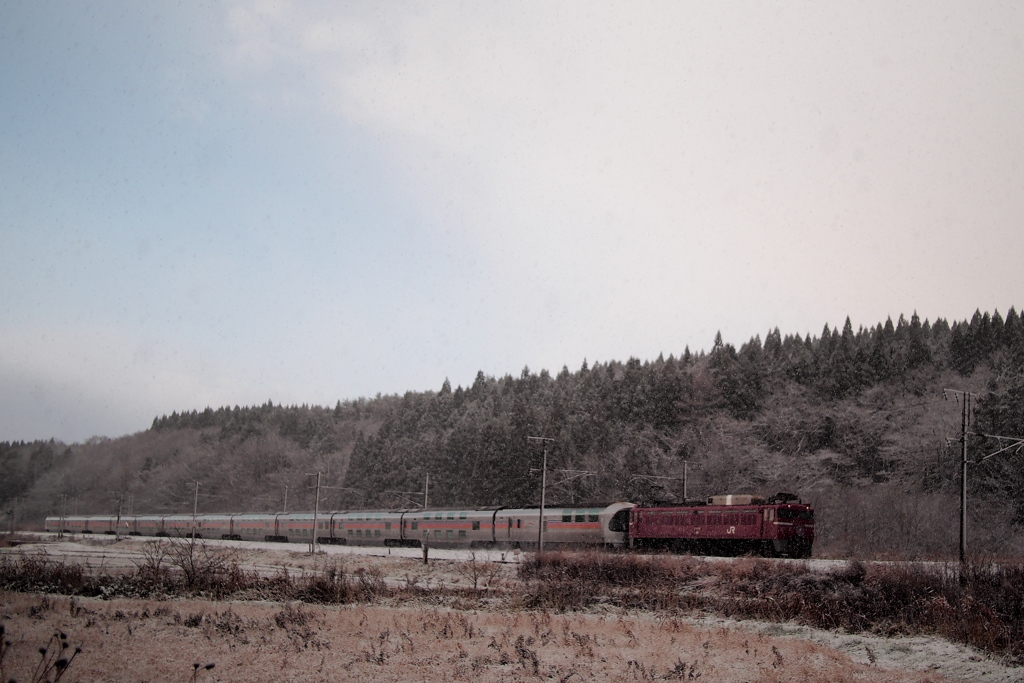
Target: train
x=780 y=526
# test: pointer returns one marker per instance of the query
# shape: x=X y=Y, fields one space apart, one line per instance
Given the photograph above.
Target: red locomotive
x=780 y=526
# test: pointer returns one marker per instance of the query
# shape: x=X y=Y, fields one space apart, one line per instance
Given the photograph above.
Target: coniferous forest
x=864 y=423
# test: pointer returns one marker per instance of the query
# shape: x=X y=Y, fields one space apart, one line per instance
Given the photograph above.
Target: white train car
x=455 y=528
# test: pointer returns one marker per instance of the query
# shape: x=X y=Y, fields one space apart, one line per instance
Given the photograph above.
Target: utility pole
x=965 y=418
x=316 y=514
x=285 y=511
x=1014 y=444
x=117 y=524
x=426 y=499
x=543 y=489
x=63 y=507
x=195 y=509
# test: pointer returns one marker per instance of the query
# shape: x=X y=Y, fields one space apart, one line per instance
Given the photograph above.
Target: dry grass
x=126 y=639
x=563 y=588
x=983 y=607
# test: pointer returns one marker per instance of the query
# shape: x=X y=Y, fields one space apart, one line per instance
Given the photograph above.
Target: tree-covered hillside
x=855 y=421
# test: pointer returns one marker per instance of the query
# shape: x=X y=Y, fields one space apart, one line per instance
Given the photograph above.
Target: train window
x=387 y=526
x=566 y=516
x=580 y=515
x=359 y=532
x=437 y=533
x=415 y=525
x=462 y=533
x=451 y=515
x=376 y=532
x=476 y=526
x=450 y=534
x=619 y=521
x=519 y=524
x=462 y=515
x=594 y=517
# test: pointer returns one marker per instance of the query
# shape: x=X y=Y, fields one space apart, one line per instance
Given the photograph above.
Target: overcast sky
x=220 y=203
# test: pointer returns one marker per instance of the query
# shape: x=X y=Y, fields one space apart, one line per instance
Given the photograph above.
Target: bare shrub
x=370 y=584
x=568 y=581
x=477 y=571
x=331 y=585
x=29 y=574
x=202 y=567
x=152 y=569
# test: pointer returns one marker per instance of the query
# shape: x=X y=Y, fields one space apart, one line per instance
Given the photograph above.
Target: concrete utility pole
x=117 y=524
x=63 y=508
x=1014 y=444
x=316 y=514
x=965 y=418
x=543 y=489
x=425 y=543
x=195 y=510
